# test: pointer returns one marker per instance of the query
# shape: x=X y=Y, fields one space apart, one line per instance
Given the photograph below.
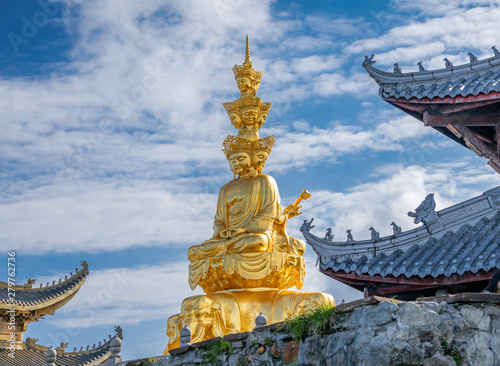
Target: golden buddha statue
x=250 y=262
x=249 y=225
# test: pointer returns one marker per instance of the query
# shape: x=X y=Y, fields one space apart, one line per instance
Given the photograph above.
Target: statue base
x=234 y=311
x=274 y=270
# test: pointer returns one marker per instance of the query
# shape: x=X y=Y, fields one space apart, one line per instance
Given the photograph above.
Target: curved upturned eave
x=384 y=77
x=327 y=248
x=49 y=306
x=60 y=294
x=34 y=355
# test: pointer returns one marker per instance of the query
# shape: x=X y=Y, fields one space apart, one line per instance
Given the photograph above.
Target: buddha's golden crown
x=247 y=102
x=233 y=144
x=246 y=70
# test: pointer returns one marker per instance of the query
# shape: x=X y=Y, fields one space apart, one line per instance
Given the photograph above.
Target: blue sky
x=112 y=124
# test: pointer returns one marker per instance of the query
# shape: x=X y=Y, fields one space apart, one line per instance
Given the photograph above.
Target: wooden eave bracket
x=476 y=144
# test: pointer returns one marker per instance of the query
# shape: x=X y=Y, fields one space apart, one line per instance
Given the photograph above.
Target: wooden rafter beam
x=454 y=108
x=434 y=119
x=477 y=145
x=377 y=280
x=497 y=138
x=443 y=108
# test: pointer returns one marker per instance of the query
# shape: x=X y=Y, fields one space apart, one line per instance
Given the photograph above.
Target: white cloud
x=315 y=64
x=106 y=216
x=112 y=296
x=431 y=8
x=306 y=146
x=453 y=32
x=358 y=84
x=399 y=190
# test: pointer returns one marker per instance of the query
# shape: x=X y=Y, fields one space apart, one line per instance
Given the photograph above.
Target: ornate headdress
x=250 y=102
x=265 y=107
x=232 y=107
x=265 y=144
x=246 y=70
x=233 y=144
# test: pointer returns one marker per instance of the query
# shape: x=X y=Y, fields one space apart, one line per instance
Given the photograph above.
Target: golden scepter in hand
x=293 y=209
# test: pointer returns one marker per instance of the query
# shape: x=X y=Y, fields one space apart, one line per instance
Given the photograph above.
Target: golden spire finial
x=247 y=62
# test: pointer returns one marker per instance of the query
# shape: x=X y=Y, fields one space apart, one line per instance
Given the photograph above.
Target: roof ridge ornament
x=31 y=343
x=495 y=51
x=374 y=233
x=349 y=235
x=472 y=57
x=427 y=214
x=397 y=69
x=425 y=211
x=396 y=228
x=368 y=61
x=421 y=67
x=447 y=63
x=328 y=235
x=30 y=283
x=307 y=226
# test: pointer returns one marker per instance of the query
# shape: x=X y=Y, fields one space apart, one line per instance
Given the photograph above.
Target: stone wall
x=450 y=330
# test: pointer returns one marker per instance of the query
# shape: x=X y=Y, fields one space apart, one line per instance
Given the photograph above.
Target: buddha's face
x=250 y=116
x=259 y=159
x=235 y=120
x=240 y=163
x=244 y=84
x=262 y=118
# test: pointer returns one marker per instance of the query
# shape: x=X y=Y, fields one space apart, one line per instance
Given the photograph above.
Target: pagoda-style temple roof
x=472 y=79
x=462 y=102
x=455 y=247
x=31 y=304
x=28 y=298
x=31 y=354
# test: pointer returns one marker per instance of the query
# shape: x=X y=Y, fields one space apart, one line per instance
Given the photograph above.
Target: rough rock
x=425 y=333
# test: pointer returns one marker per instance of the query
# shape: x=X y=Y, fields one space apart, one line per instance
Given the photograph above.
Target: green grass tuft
x=451 y=351
x=268 y=341
x=318 y=320
x=146 y=362
x=214 y=350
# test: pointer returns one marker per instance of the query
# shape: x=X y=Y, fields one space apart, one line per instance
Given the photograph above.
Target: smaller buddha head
x=244 y=84
x=264 y=111
x=259 y=159
x=262 y=149
x=235 y=120
x=233 y=111
x=247 y=79
x=250 y=116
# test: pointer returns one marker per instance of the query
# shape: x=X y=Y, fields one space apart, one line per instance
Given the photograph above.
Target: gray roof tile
x=34 y=296
x=463 y=80
x=472 y=245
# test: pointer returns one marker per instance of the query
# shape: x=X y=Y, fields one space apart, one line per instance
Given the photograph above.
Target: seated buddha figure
x=249 y=217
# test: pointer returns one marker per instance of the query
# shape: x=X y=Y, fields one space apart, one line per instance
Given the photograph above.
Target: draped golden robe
x=259 y=213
